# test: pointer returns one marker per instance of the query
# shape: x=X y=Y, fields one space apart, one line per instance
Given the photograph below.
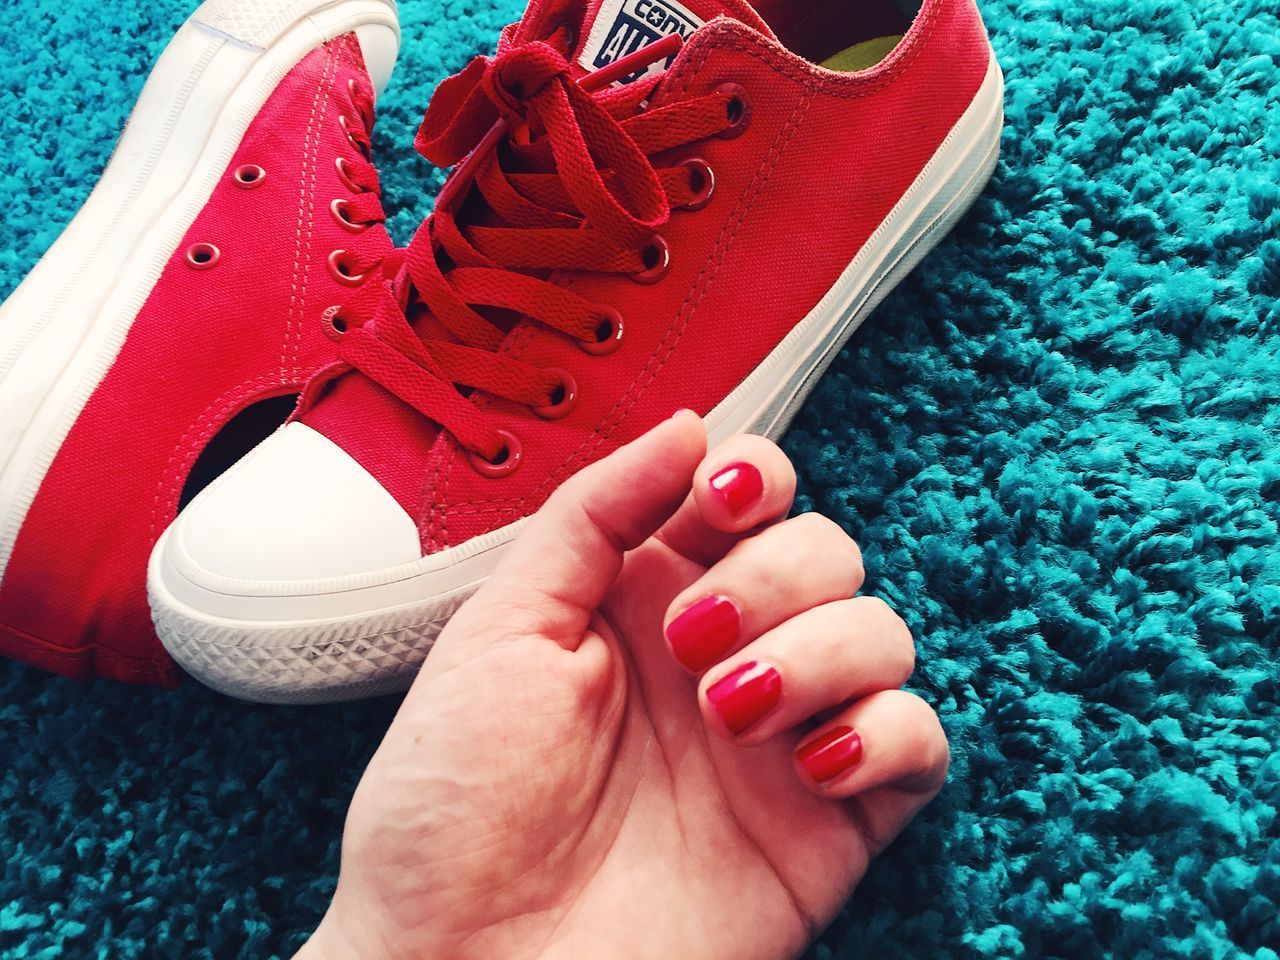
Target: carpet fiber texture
x=1058 y=443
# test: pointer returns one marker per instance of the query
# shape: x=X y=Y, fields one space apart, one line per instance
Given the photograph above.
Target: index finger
x=745 y=483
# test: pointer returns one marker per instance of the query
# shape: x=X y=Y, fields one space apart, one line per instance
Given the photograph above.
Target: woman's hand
x=662 y=729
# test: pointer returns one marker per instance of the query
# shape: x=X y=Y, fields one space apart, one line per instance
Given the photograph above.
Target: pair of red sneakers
x=658 y=204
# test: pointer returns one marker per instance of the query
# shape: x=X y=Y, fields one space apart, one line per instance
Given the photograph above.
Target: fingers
x=889 y=739
x=744 y=482
x=559 y=568
x=815 y=661
x=886 y=756
x=750 y=591
x=842 y=661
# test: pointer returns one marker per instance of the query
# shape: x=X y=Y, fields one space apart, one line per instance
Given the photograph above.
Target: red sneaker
x=762 y=188
x=144 y=350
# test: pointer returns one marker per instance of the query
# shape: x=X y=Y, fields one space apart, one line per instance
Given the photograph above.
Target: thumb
x=559 y=568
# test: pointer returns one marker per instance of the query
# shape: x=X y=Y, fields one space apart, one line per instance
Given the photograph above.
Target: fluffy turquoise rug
x=1058 y=444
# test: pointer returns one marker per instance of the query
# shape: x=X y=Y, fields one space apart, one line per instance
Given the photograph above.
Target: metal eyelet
x=351 y=95
x=335 y=325
x=339 y=210
x=356 y=144
x=203 y=256
x=702 y=181
x=340 y=269
x=608 y=334
x=344 y=175
x=739 y=110
x=248 y=176
x=507 y=462
x=563 y=399
x=657 y=259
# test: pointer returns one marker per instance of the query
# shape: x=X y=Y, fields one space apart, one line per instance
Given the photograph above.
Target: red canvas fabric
x=822 y=160
x=207 y=344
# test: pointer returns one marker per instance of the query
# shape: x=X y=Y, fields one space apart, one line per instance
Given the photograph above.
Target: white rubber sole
x=364 y=635
x=62 y=328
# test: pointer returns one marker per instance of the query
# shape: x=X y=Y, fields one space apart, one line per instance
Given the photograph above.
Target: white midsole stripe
x=764 y=402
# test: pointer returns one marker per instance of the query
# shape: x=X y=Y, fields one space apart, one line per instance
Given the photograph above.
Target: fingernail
x=738 y=486
x=746 y=695
x=700 y=635
x=837 y=751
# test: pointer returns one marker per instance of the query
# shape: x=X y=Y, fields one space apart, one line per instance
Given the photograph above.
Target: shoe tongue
x=614 y=28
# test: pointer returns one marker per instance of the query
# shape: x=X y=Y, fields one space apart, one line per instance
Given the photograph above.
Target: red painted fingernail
x=700 y=635
x=738 y=486
x=835 y=752
x=746 y=695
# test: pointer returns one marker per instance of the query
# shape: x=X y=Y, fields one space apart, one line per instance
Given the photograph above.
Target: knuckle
x=928 y=741
x=768 y=453
x=574 y=489
x=857 y=572
x=932 y=750
x=819 y=527
x=904 y=658
x=897 y=643
x=825 y=541
x=877 y=610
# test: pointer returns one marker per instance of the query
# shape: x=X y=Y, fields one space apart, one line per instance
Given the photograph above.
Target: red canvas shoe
x=165 y=330
x=666 y=203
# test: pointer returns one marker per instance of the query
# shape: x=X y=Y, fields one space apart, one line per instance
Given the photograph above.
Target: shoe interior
x=242 y=433
x=844 y=35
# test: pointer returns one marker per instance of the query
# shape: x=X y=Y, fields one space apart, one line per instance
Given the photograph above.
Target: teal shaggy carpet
x=1058 y=443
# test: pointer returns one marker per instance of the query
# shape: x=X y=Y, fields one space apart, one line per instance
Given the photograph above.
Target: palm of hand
x=556 y=784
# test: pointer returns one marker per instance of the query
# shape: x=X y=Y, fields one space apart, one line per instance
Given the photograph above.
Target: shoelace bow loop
x=563 y=167
x=533 y=84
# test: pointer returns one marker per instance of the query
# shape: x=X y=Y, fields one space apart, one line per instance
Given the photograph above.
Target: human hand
x=557 y=784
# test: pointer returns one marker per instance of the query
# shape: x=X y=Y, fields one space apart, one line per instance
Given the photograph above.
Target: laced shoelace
x=557 y=176
x=360 y=176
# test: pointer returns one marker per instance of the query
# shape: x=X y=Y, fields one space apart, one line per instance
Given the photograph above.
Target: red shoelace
x=557 y=176
x=360 y=176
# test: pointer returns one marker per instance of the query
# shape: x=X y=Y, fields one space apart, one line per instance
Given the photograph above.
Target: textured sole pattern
x=324 y=664
x=346 y=659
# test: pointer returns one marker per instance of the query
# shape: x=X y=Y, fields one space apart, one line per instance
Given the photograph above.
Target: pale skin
x=556 y=784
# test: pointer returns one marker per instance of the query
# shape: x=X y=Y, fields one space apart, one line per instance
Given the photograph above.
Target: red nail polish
x=746 y=695
x=738 y=486
x=701 y=635
x=837 y=751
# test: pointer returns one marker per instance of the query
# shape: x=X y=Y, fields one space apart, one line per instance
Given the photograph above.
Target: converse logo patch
x=624 y=26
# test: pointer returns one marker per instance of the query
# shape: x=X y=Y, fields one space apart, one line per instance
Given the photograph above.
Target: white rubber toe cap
x=296 y=578
x=297 y=508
